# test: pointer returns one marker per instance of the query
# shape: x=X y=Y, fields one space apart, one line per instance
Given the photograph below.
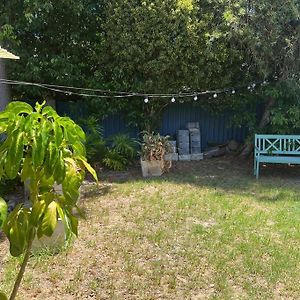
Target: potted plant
x=154 y=146
x=45 y=150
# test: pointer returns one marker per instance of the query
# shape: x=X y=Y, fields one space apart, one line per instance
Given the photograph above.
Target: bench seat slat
x=278 y=152
x=279 y=159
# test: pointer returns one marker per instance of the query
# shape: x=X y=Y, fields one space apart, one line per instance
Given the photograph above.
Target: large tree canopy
x=160 y=46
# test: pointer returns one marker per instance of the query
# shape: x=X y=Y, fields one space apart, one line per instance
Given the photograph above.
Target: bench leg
x=257 y=169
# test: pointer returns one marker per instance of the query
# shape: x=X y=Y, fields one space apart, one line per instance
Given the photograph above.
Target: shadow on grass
x=91 y=191
x=228 y=174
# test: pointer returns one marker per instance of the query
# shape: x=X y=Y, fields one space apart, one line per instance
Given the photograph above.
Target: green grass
x=204 y=231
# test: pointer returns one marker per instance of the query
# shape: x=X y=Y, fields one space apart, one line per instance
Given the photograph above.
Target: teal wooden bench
x=276 y=149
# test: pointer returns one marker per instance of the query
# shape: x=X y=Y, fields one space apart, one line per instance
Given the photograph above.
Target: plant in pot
x=153 y=148
x=45 y=150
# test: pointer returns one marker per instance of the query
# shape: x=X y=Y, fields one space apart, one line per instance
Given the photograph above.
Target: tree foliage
x=268 y=33
x=159 y=46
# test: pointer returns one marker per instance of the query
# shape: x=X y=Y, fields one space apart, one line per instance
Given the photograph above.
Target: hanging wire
x=71 y=90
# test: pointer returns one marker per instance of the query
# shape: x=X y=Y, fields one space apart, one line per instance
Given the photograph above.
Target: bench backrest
x=277 y=144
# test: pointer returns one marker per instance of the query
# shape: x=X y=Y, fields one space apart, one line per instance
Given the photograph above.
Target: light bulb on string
x=146 y=100
x=173 y=99
x=233 y=92
x=215 y=95
x=195 y=98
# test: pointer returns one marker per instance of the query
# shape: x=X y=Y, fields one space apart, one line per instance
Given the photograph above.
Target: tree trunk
x=264 y=121
x=4 y=88
x=23 y=266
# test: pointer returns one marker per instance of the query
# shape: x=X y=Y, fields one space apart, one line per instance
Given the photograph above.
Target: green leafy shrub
x=115 y=160
x=43 y=149
x=124 y=145
x=115 y=152
x=95 y=143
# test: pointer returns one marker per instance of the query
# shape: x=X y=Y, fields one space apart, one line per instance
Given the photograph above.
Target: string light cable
x=100 y=93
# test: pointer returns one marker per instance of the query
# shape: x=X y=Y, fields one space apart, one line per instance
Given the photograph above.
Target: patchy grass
x=206 y=230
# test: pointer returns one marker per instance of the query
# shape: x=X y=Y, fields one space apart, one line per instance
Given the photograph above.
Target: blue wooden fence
x=214 y=128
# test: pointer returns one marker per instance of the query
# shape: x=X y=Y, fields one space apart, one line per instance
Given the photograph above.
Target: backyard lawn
x=205 y=230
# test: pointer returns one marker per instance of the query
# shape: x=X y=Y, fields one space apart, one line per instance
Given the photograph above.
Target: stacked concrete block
x=185 y=157
x=192 y=125
x=173 y=146
x=197 y=156
x=195 y=141
x=183 y=142
x=189 y=142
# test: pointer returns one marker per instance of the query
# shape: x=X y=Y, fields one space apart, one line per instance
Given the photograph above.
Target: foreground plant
x=43 y=149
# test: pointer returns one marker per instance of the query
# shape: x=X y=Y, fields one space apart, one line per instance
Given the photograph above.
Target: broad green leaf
x=3 y=126
x=71 y=186
x=73 y=224
x=59 y=169
x=3 y=211
x=5 y=116
x=2 y=163
x=50 y=219
x=58 y=133
x=88 y=167
x=38 y=209
x=3 y=296
x=80 y=133
x=51 y=158
x=14 y=155
x=79 y=149
x=38 y=151
x=18 y=107
x=16 y=230
x=64 y=218
x=49 y=112
x=27 y=170
x=31 y=121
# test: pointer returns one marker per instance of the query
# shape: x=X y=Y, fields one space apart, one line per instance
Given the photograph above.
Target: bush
x=116 y=152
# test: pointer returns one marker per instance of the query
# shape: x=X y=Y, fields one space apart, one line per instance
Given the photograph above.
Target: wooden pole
x=4 y=88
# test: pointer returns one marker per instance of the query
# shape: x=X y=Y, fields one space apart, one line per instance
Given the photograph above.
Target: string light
x=108 y=94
